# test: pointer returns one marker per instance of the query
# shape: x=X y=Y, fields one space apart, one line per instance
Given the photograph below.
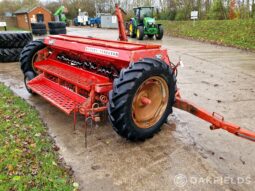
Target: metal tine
x=86 y=128
x=74 y=119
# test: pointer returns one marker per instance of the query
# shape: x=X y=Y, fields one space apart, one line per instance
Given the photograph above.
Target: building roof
x=22 y=10
x=28 y=10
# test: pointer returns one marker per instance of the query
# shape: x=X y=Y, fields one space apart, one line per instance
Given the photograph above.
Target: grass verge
x=28 y=157
x=236 y=33
x=10 y=29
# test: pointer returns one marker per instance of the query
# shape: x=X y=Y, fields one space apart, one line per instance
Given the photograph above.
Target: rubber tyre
x=141 y=33
x=132 y=33
x=10 y=54
x=15 y=39
x=27 y=54
x=56 y=24
x=57 y=31
x=39 y=32
x=124 y=89
x=27 y=77
x=159 y=36
x=38 y=26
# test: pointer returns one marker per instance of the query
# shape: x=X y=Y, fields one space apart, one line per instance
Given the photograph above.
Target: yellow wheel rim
x=35 y=58
x=138 y=33
x=130 y=29
x=38 y=57
x=150 y=102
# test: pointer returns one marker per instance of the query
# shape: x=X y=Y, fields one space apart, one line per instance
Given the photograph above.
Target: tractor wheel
x=29 y=55
x=98 y=25
x=150 y=35
x=56 y=24
x=10 y=54
x=140 y=33
x=39 y=32
x=38 y=26
x=131 y=30
x=141 y=99
x=10 y=39
x=57 y=31
x=160 y=34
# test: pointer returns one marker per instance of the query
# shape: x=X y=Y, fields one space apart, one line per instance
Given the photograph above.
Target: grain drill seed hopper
x=135 y=83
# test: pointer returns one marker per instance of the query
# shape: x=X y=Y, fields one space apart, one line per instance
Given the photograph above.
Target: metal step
x=78 y=77
x=59 y=96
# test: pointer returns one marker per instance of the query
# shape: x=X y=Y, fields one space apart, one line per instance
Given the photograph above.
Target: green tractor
x=144 y=24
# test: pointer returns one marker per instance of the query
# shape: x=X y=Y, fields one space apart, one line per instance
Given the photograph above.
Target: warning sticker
x=102 y=51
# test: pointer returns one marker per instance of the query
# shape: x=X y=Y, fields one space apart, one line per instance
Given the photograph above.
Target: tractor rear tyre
x=29 y=55
x=140 y=33
x=160 y=34
x=141 y=99
x=131 y=30
x=38 y=26
x=11 y=39
x=56 y=24
x=39 y=32
x=57 y=31
x=10 y=54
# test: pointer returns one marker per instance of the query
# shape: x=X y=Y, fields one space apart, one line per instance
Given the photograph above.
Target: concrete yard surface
x=185 y=154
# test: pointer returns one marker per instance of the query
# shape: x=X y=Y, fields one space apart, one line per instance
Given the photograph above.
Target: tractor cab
x=143 y=12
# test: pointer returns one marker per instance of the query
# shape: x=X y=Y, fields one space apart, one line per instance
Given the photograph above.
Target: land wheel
x=141 y=99
x=27 y=77
x=29 y=55
x=131 y=30
x=150 y=35
x=140 y=33
x=160 y=34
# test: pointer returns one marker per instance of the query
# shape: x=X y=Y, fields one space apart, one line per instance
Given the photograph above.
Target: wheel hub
x=150 y=102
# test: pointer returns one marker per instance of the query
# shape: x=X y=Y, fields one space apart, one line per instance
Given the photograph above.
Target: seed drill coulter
x=135 y=83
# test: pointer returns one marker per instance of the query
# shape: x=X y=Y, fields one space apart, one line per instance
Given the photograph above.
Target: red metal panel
x=117 y=56
x=152 y=53
x=81 y=78
x=103 y=43
x=59 y=96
